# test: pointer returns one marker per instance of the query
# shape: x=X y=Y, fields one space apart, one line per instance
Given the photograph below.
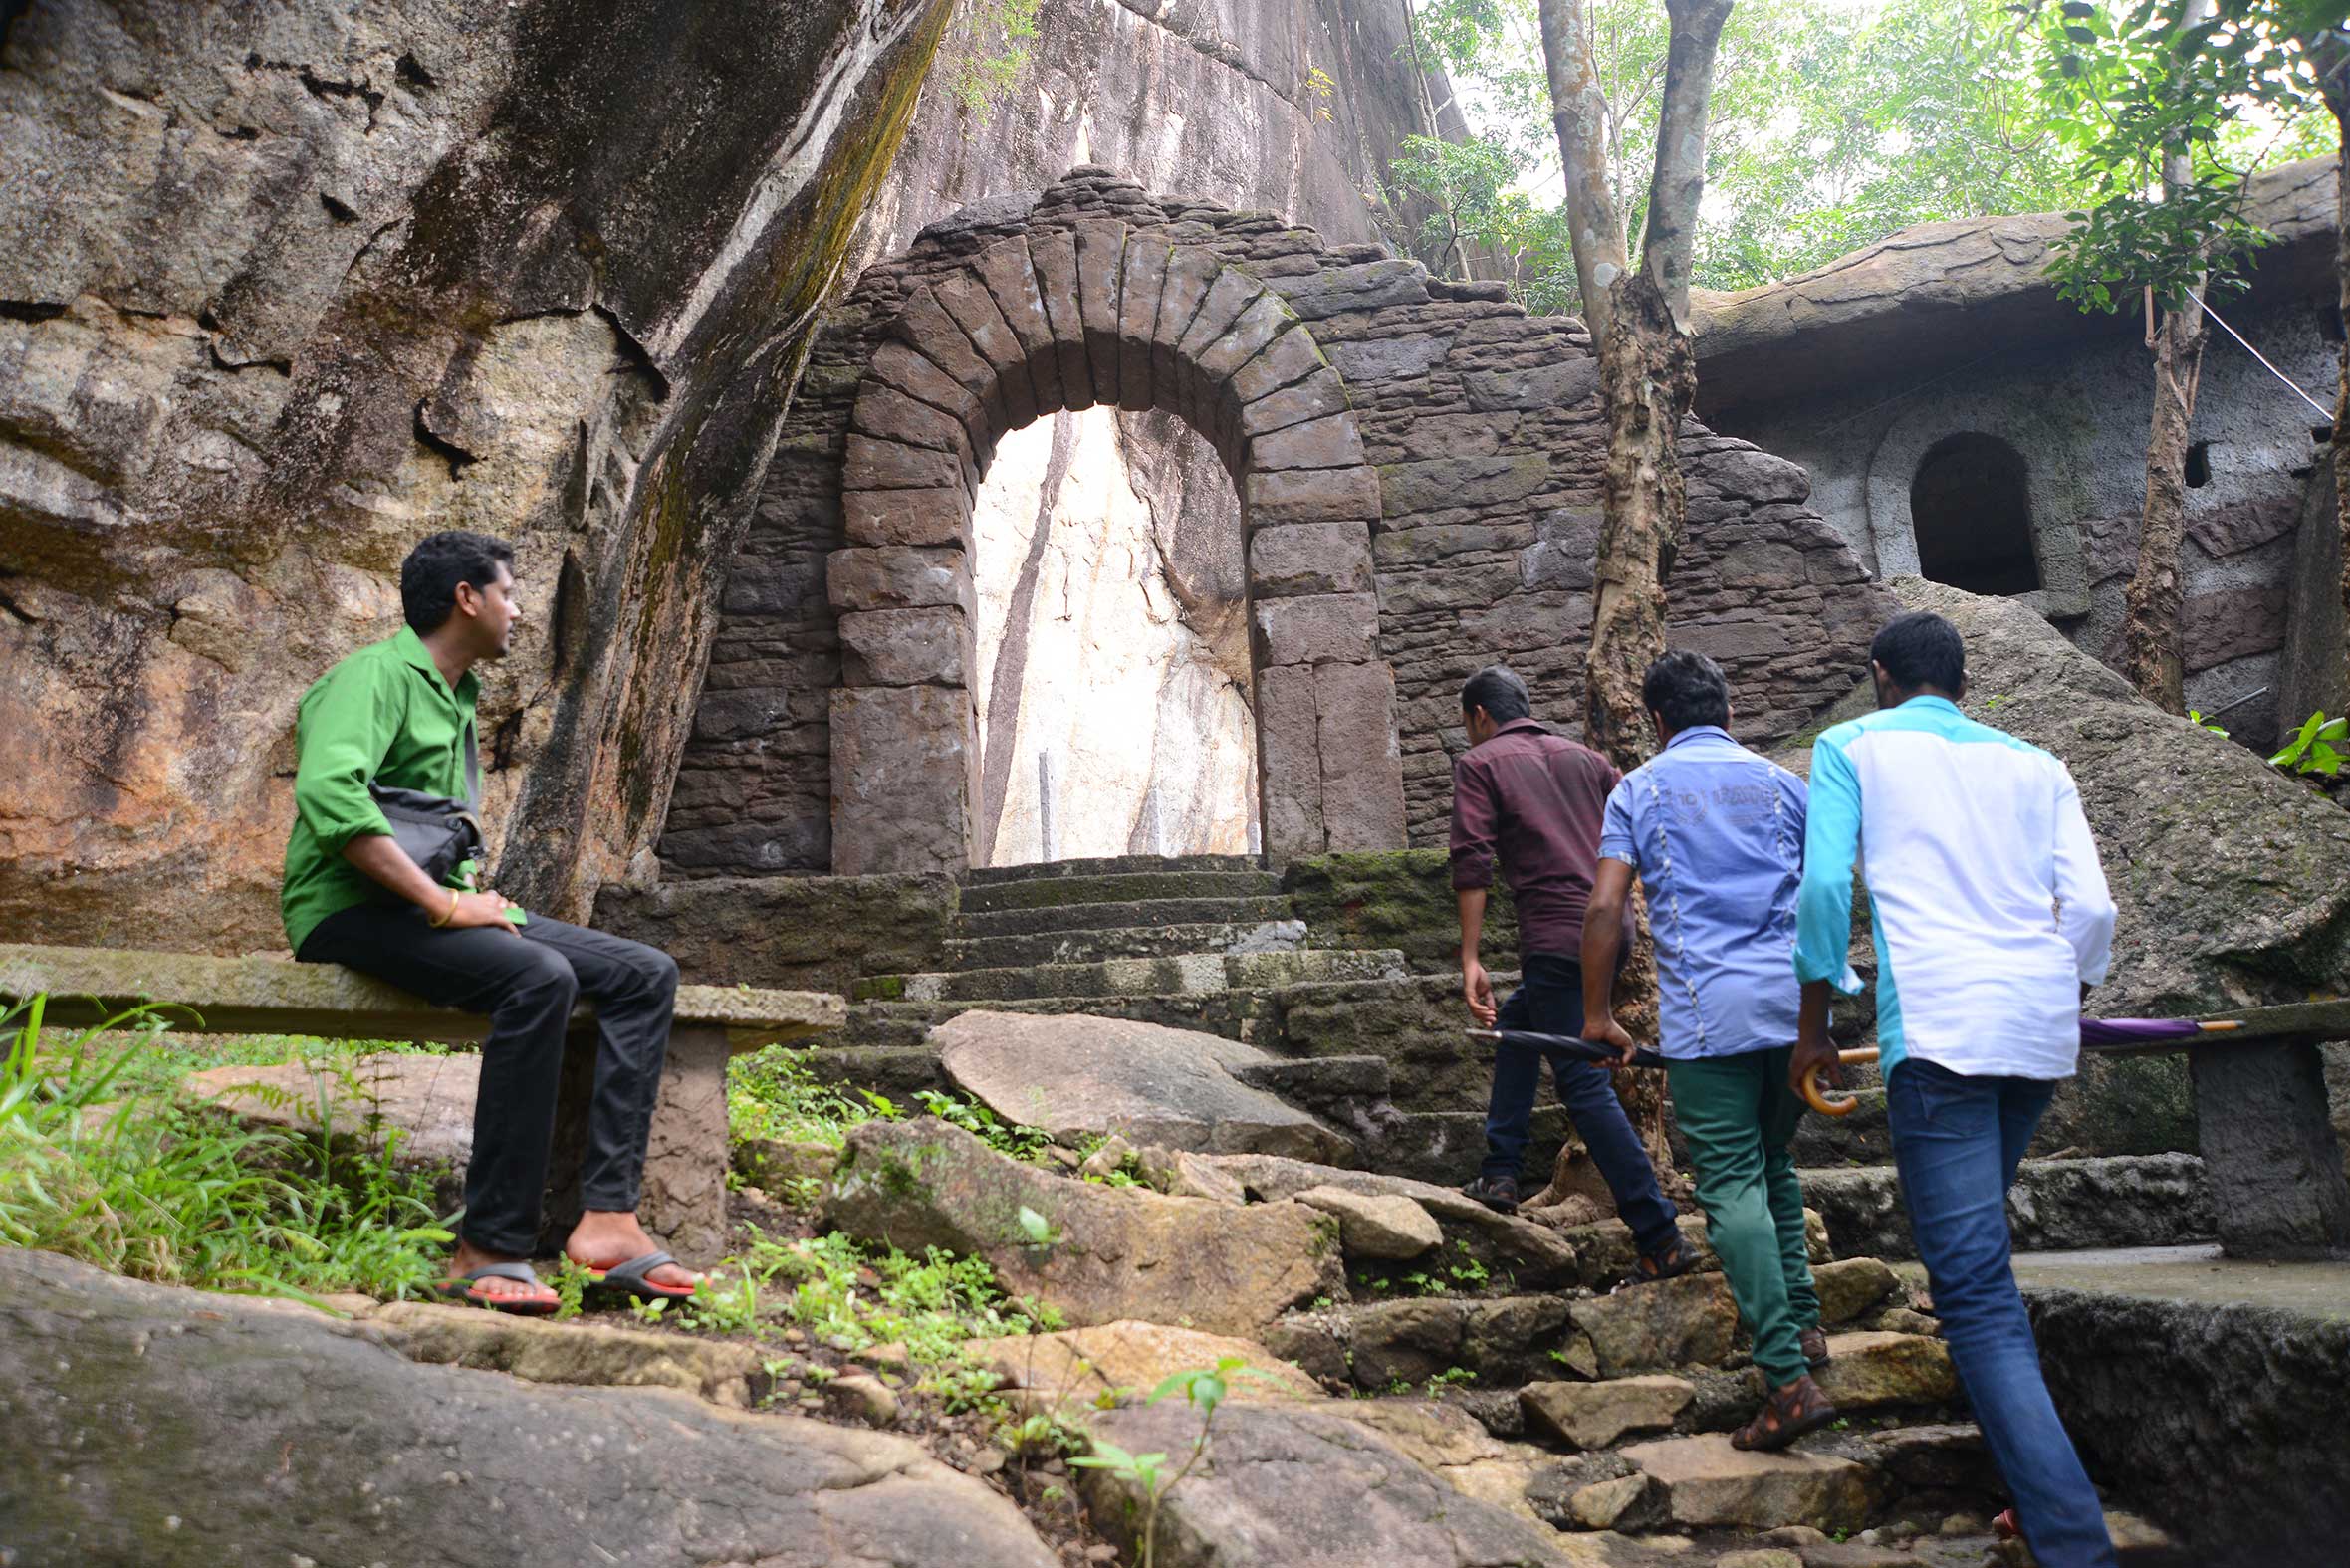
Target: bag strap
x=472 y=768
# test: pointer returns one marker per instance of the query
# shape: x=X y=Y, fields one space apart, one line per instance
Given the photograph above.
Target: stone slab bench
x=684 y=1203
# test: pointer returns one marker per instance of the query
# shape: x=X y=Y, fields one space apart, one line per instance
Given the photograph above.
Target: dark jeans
x=527 y=983
x=1550 y=1000
x=1955 y=1142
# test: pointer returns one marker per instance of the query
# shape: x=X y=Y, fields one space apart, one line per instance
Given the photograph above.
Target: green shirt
x=383 y=715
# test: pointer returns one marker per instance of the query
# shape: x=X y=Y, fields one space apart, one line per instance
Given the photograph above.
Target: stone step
x=1708 y=1485
x=1121 y=915
x=966 y=954
x=1190 y=974
x=1106 y=865
x=1119 y=887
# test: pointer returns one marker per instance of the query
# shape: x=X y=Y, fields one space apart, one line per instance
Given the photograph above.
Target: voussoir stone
x=1076 y=1075
x=274 y=1429
x=1594 y=1415
x=1390 y=1226
x=1108 y=1252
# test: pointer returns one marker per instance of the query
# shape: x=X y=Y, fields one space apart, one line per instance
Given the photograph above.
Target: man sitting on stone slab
x=1992 y=921
x=1533 y=800
x=1716 y=836
x=400 y=714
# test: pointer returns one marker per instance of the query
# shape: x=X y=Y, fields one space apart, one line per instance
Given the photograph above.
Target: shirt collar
x=411 y=650
x=1694 y=731
x=1529 y=723
x=1943 y=704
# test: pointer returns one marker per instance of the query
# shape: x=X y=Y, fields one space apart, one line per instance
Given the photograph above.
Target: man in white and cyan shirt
x=1992 y=919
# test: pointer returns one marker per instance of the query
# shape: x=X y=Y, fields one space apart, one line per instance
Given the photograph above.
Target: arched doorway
x=1971 y=512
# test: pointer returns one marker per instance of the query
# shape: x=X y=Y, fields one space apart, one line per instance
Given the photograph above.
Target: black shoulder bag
x=438 y=833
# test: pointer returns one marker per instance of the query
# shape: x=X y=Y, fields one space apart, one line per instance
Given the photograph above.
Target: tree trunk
x=2153 y=655
x=2333 y=72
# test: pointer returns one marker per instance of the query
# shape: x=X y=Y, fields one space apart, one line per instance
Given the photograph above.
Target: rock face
x=141 y=1431
x=2158 y=1200
x=1108 y=1252
x=281 y=297
x=1076 y=1075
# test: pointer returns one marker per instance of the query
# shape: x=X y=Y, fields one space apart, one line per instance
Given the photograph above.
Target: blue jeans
x=1550 y=1000
x=1957 y=1141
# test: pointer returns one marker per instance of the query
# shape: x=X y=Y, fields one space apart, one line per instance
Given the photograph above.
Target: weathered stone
x=1298 y=558
x=580 y=1354
x=905 y=648
x=1447 y=482
x=1714 y=1484
x=1262 y=319
x=1559 y=384
x=1366 y=286
x=1143 y=279
x=895 y=746
x=1503 y=1339
x=899 y=366
x=1052 y=253
x=1192 y=271
x=966 y=298
x=1317 y=396
x=1076 y=1075
x=1109 y=1252
x=908 y=517
x=1182 y=1173
x=1102 y=265
x=1869 y=1370
x=898 y=577
x=884 y=413
x=2155 y=1200
x=875 y=464
x=1633 y=1503
x=1289 y=738
x=234 y=1418
x=1319 y=629
x=1329 y=442
x=1074 y=1370
x=1851 y=1286
x=1389 y=358
x=1287 y=361
x=429 y=1100
x=1764 y=1557
x=1018 y=295
x=2269 y=1152
x=1672 y=1324
x=1362 y=786
x=766 y=1161
x=1948 y=1457
x=822 y=933
x=1310 y=495
x=1594 y=1415
x=1388 y=1226
x=925 y=326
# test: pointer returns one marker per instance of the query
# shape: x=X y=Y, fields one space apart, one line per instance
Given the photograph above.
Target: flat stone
x=1674 y=1323
x=1594 y=1415
x=1110 y=1253
x=1871 y=1369
x=1764 y=1557
x=1634 y=1503
x=1182 y=1173
x=1296 y=558
x=1713 y=1484
x=907 y=517
x=1945 y=1457
x=898 y=577
x=1073 y=1371
x=1076 y=1075
x=1329 y=442
x=582 y=1354
x=905 y=648
x=1320 y=628
x=1851 y=1286
x=1309 y=495
x=1391 y=1226
x=1366 y=286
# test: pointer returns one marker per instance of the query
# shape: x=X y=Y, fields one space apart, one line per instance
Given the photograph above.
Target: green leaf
x=1035 y=1225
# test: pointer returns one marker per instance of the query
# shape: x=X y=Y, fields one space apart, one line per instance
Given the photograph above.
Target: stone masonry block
x=965 y=297
x=1287 y=361
x=907 y=517
x=1310 y=495
x=1366 y=286
x=1264 y=319
x=1318 y=395
x=1102 y=266
x=873 y=464
x=905 y=648
x=1289 y=743
x=884 y=411
x=1294 y=559
x=2268 y=1148
x=1361 y=761
x=1145 y=280
x=925 y=326
x=1320 y=628
x=1012 y=284
x=919 y=378
x=1052 y=253
x=903 y=759
x=898 y=577
x=1329 y=442
x=1229 y=298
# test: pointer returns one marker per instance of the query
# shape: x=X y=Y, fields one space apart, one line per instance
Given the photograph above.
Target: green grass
x=100 y=1160
x=773 y=1093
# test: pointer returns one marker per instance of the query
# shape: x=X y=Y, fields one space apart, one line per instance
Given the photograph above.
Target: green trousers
x=1739 y=1114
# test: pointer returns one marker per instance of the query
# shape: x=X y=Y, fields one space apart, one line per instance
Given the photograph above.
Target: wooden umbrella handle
x=1816 y=1093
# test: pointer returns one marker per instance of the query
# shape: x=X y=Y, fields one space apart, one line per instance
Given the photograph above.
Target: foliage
x=2125 y=86
x=2317 y=747
x=774 y=1093
x=135 y=1182
x=2196 y=719
x=1204 y=1388
x=985 y=52
x=1018 y=1141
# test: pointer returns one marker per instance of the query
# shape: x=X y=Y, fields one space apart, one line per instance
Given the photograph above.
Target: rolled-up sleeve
x=346 y=726
x=1615 y=826
x=1831 y=843
x=2084 y=905
x=1476 y=819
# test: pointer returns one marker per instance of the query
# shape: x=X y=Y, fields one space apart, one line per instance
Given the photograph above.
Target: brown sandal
x=1672 y=1262
x=1814 y=1344
x=1786 y=1415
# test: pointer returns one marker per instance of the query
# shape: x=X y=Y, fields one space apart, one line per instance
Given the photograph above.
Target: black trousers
x=527 y=979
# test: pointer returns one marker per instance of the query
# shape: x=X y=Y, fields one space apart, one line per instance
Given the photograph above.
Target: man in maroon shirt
x=1535 y=801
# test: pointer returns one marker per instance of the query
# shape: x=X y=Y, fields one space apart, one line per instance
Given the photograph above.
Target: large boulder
x=1078 y=1075
x=2228 y=873
x=1096 y=1255
x=150 y=1425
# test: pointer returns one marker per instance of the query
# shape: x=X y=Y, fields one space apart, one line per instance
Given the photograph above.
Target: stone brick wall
x=1462 y=534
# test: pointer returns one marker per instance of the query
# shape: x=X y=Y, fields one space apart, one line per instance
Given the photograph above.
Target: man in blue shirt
x=1716 y=834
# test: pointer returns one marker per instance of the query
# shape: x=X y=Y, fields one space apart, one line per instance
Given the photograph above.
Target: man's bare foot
x=604 y=1239
x=469 y=1257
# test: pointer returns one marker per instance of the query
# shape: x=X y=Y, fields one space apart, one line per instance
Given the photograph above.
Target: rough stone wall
x=1218 y=100
x=1484 y=426
x=283 y=289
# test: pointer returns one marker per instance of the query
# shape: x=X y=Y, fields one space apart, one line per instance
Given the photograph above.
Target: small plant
x=570 y=1288
x=774 y=1093
x=1019 y=1142
x=2316 y=748
x=1449 y=1377
x=1468 y=1273
x=2200 y=721
x=1203 y=1390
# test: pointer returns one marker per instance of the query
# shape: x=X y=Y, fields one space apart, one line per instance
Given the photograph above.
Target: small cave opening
x=1971 y=509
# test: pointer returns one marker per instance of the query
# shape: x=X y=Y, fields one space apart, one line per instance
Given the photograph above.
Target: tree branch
x=1578 y=113
x=1671 y=237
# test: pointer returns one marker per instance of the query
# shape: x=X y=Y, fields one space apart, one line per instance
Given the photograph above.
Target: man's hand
x=1608 y=1032
x=1814 y=1052
x=1477 y=988
x=479 y=908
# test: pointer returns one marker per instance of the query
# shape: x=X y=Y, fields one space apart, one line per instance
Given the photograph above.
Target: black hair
x=1500 y=691
x=1922 y=649
x=430 y=574
x=1688 y=690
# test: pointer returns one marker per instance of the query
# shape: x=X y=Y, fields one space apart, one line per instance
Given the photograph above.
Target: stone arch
x=1100 y=313
x=2048 y=464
